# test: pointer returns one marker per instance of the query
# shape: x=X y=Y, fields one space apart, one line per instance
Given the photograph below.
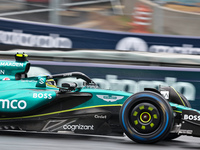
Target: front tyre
x=146 y=117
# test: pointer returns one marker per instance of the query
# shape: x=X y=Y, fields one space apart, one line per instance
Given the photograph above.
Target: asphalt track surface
x=33 y=141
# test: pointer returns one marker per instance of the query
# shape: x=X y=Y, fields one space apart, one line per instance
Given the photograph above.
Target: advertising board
x=29 y=34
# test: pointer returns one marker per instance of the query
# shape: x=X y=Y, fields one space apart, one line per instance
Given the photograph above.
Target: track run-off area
x=36 y=141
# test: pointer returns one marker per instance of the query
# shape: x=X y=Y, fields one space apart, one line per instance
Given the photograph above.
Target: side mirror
x=68 y=87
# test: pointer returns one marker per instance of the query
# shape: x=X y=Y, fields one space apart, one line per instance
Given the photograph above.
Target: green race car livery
x=37 y=104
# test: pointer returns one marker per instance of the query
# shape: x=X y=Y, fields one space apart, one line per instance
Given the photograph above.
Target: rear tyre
x=146 y=117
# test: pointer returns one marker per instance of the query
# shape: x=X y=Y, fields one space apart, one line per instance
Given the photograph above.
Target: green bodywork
x=27 y=94
x=104 y=97
x=10 y=68
x=180 y=108
x=30 y=93
x=24 y=95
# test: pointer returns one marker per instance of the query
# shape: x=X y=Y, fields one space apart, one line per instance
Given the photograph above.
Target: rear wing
x=15 y=70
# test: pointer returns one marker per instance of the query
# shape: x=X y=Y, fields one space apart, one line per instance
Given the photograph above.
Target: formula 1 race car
x=37 y=104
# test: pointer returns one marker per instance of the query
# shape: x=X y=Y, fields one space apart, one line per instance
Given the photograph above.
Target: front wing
x=187 y=120
x=190 y=123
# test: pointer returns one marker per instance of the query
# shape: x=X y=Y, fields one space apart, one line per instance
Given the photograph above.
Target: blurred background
x=174 y=17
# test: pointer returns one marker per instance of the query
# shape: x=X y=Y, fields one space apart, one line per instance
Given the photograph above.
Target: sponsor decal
x=17 y=37
x=42 y=95
x=42 y=81
x=138 y=44
x=67 y=74
x=100 y=116
x=165 y=94
x=191 y=117
x=13 y=104
x=78 y=127
x=186 y=131
x=2 y=71
x=108 y=98
x=132 y=43
x=53 y=125
x=11 y=64
x=6 y=79
x=185 y=49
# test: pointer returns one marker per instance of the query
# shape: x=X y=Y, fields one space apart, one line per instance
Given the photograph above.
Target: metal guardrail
x=87 y=2
x=189 y=2
x=55 y=6
x=113 y=57
x=59 y=7
x=27 y=12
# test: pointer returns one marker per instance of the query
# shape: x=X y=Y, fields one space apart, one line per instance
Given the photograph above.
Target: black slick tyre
x=146 y=117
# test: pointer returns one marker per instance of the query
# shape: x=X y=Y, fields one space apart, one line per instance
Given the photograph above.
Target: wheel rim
x=145 y=118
